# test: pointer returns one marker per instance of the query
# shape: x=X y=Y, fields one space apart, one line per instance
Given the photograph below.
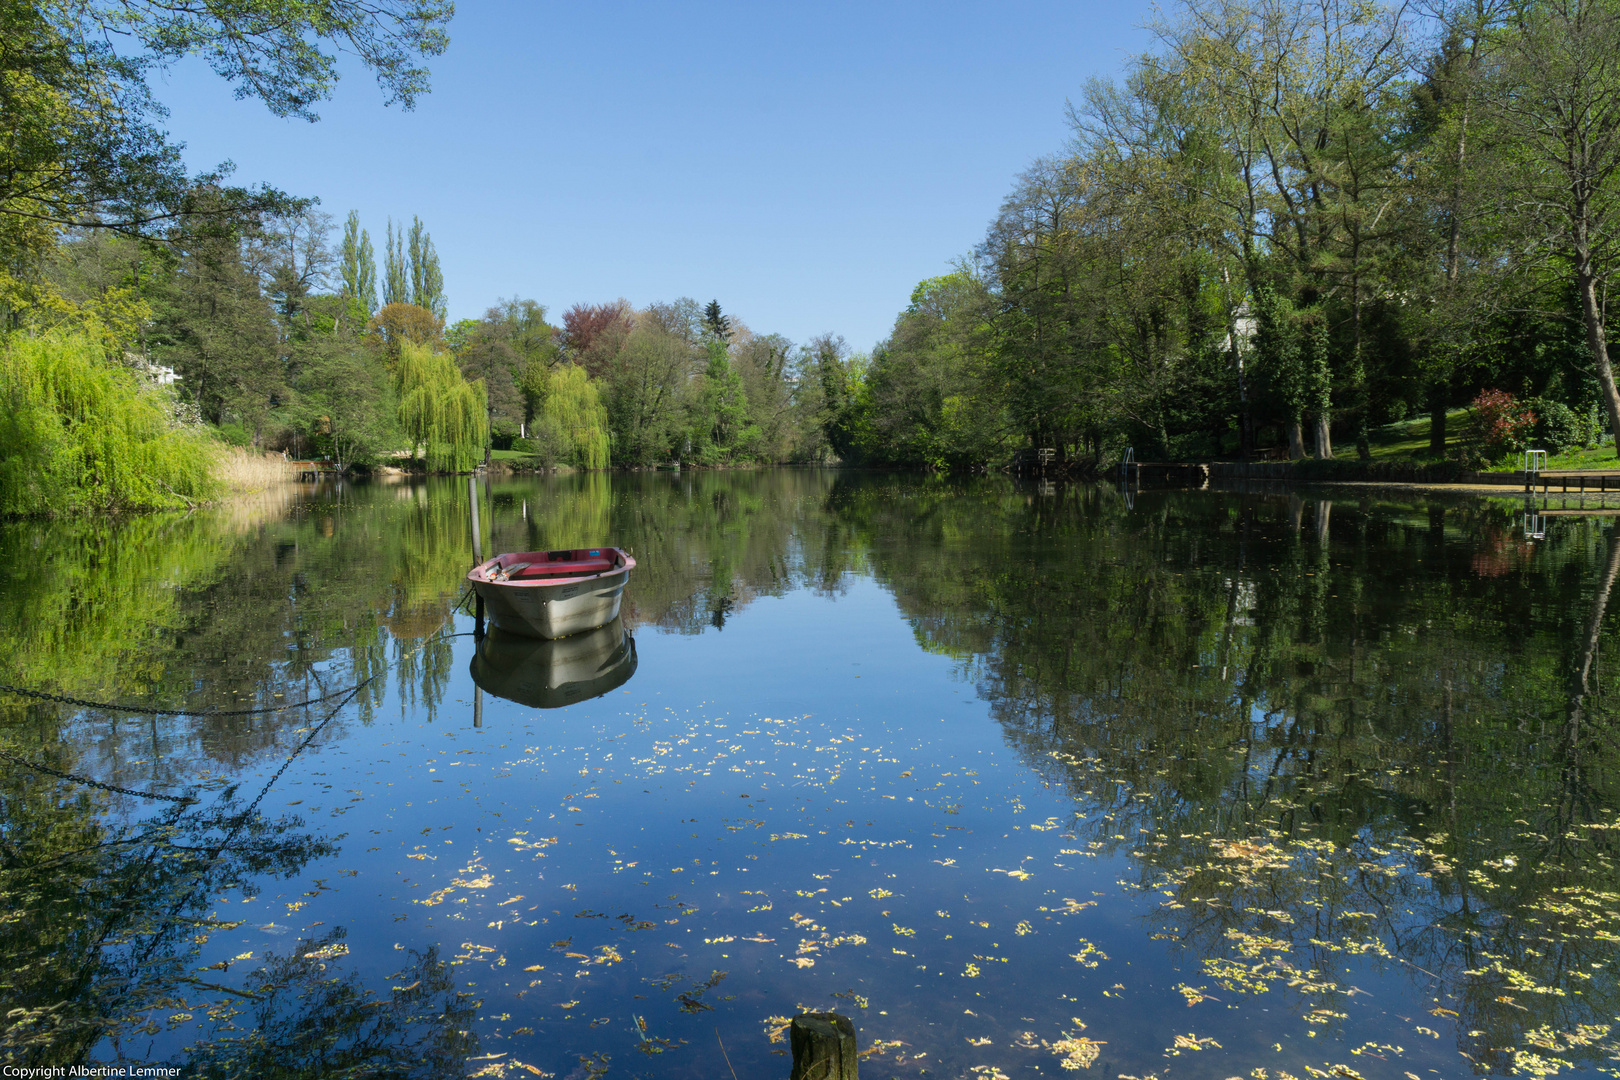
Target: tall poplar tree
x=427 y=282
x=358 y=264
x=396 y=269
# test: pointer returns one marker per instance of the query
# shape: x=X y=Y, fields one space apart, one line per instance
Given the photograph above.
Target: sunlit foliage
x=440 y=411
x=82 y=433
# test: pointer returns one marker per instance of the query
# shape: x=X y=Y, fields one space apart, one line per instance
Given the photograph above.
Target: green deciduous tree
x=766 y=366
x=1555 y=100
x=570 y=423
x=933 y=400
x=346 y=402
x=79 y=143
x=510 y=349
x=441 y=413
x=836 y=399
x=645 y=389
x=216 y=327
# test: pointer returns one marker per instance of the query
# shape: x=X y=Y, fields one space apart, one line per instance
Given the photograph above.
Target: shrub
x=1505 y=424
x=503 y=435
x=80 y=433
x=234 y=434
x=1557 y=428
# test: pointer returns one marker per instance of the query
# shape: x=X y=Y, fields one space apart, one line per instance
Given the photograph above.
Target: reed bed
x=244 y=471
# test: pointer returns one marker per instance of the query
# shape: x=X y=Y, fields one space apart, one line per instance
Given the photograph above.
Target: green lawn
x=1596 y=457
x=1409 y=440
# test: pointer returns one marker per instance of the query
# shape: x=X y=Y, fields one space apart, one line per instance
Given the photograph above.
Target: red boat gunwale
x=542 y=568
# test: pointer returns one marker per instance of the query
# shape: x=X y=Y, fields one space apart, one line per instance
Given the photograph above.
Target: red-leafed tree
x=1505 y=423
x=593 y=333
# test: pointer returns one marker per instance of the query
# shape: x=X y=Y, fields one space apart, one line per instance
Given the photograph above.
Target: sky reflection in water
x=1195 y=786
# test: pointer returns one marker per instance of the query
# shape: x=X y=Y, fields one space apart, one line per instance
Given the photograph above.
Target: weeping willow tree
x=441 y=412
x=78 y=432
x=570 y=416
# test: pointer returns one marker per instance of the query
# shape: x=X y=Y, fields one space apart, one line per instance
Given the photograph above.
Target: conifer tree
x=715 y=323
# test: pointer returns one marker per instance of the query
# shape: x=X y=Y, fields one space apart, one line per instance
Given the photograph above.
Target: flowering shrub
x=1505 y=423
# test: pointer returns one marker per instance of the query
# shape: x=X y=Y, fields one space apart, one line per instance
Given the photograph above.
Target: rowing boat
x=552 y=594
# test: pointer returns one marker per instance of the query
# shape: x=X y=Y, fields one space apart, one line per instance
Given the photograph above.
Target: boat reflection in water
x=550 y=674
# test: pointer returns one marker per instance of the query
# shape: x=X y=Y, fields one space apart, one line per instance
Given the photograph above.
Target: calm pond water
x=1022 y=780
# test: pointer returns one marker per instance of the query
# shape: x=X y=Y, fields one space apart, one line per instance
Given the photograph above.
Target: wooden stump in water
x=823 y=1047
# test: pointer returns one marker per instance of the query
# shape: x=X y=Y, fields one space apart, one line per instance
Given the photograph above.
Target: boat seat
x=563 y=568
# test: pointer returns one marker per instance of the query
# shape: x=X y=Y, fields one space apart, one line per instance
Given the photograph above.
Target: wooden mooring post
x=478 y=554
x=823 y=1047
x=478 y=606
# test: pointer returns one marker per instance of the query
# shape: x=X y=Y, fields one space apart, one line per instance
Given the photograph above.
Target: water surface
x=1018 y=778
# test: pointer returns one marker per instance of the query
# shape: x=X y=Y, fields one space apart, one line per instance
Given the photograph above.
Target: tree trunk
x=1592 y=315
x=1324 y=438
x=1296 y=441
x=1245 y=414
x=1437 y=419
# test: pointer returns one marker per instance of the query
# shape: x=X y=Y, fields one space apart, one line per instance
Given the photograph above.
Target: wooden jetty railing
x=313 y=470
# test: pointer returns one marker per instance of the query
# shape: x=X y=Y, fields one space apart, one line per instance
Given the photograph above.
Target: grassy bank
x=1401 y=451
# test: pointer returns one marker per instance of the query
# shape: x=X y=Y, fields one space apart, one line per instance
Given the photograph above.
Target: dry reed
x=243 y=471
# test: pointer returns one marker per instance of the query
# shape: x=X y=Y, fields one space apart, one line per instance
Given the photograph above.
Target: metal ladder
x=1532 y=462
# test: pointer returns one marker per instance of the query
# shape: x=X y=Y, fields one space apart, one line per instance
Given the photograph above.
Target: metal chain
x=347 y=696
x=299 y=749
x=316 y=730
x=37 y=767
x=111 y=707
x=187 y=799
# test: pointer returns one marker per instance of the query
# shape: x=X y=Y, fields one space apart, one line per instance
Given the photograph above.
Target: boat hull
x=551 y=609
x=553 y=674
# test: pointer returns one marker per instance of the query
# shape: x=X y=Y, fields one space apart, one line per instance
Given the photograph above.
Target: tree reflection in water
x=103 y=923
x=1332 y=733
x=1317 y=745
x=308 y=1022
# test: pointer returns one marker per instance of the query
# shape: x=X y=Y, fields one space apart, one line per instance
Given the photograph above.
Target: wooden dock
x=313 y=470
x=1564 y=511
x=1600 y=478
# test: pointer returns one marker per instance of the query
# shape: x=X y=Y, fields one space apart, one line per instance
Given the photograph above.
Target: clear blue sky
x=806 y=165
